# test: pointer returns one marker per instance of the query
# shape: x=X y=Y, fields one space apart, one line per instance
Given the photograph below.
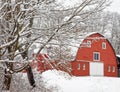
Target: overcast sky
x=115 y=6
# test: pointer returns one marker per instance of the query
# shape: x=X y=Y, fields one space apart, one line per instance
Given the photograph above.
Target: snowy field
x=62 y=82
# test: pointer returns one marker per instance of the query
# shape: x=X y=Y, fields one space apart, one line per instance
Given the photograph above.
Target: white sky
x=115 y=6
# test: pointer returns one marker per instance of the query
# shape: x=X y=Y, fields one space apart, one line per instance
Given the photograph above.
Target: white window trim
x=88 y=43
x=103 y=45
x=78 y=66
x=109 y=68
x=83 y=66
x=94 y=54
x=113 y=69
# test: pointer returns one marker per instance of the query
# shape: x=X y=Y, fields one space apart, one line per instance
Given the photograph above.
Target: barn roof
x=118 y=58
x=82 y=36
x=75 y=44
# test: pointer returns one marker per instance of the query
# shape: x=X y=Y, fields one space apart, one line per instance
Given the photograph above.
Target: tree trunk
x=8 y=76
x=7 y=79
x=30 y=76
x=29 y=70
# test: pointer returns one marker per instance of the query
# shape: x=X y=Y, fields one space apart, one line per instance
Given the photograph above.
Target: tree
x=62 y=23
x=15 y=22
x=107 y=23
x=18 y=31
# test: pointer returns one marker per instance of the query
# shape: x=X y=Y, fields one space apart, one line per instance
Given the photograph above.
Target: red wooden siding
x=107 y=56
x=85 y=60
x=80 y=68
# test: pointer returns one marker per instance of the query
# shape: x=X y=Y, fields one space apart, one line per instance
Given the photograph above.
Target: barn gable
x=98 y=51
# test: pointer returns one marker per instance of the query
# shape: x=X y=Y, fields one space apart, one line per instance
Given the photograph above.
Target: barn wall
x=40 y=67
x=110 y=72
x=107 y=56
x=84 y=59
x=86 y=53
x=82 y=71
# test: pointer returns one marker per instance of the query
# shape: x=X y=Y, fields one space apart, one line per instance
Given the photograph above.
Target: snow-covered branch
x=9 y=43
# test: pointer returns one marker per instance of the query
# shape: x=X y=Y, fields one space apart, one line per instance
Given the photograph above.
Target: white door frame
x=96 y=69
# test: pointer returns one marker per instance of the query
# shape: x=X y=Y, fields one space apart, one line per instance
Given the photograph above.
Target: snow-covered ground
x=65 y=83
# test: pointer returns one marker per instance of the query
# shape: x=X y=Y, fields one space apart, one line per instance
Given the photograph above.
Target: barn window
x=83 y=66
x=88 y=43
x=113 y=69
x=78 y=67
x=96 y=56
x=103 y=45
x=108 y=68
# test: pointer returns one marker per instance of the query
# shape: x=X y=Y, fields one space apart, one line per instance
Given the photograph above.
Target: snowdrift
x=63 y=82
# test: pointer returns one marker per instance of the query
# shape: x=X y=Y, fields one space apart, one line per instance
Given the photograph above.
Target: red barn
x=95 y=57
x=43 y=62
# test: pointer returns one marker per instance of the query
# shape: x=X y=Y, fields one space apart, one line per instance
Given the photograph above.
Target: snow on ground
x=66 y=83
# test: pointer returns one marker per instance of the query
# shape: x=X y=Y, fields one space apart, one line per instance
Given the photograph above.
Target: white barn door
x=96 y=69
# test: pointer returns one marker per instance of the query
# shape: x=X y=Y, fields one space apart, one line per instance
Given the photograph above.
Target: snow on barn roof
x=91 y=33
x=75 y=44
x=118 y=56
x=85 y=35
